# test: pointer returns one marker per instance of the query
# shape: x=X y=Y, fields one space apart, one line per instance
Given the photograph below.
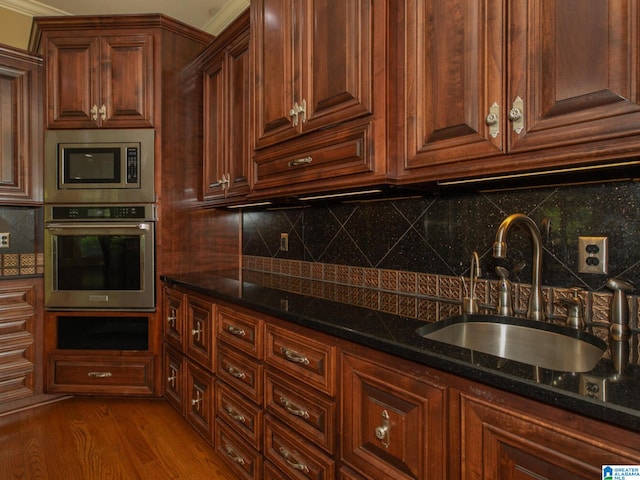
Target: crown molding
x=31 y=8
x=227 y=14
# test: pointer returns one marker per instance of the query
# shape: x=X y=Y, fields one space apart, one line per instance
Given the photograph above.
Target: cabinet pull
x=234 y=372
x=237 y=331
x=94 y=112
x=234 y=414
x=103 y=112
x=292 y=461
x=298 y=113
x=300 y=161
x=171 y=319
x=172 y=380
x=197 y=331
x=198 y=399
x=233 y=455
x=293 y=409
x=99 y=374
x=293 y=356
x=382 y=431
x=493 y=120
x=516 y=115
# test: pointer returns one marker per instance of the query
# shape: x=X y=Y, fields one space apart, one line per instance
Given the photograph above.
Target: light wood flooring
x=87 y=438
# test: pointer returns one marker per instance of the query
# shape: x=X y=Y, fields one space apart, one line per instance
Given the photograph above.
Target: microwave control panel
x=132 y=165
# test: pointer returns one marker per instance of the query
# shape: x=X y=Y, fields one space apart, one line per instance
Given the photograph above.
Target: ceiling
x=209 y=15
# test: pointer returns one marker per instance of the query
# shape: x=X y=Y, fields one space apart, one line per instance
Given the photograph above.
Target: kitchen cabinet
x=499 y=88
x=21 y=76
x=394 y=423
x=99 y=80
x=318 y=67
x=20 y=340
x=227 y=145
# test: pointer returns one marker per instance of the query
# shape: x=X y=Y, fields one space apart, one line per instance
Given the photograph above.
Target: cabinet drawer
x=242 y=415
x=310 y=361
x=243 y=459
x=242 y=331
x=242 y=373
x=294 y=456
x=133 y=376
x=304 y=410
x=174 y=370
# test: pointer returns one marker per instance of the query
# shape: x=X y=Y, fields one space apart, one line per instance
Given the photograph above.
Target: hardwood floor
x=87 y=438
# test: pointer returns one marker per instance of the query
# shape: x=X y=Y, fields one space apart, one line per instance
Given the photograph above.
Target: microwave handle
x=62 y=226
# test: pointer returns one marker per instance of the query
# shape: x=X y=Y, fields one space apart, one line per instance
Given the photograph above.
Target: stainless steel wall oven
x=100 y=257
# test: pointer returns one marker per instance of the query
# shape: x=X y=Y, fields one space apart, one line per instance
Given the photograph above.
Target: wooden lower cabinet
x=500 y=441
x=393 y=422
x=199 y=400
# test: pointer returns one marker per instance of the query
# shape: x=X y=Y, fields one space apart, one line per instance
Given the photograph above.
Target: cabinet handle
x=298 y=113
x=293 y=409
x=293 y=356
x=103 y=112
x=292 y=461
x=197 y=331
x=172 y=380
x=234 y=372
x=171 y=319
x=493 y=120
x=233 y=413
x=300 y=161
x=382 y=431
x=516 y=115
x=99 y=374
x=233 y=455
x=198 y=399
x=237 y=331
x=94 y=113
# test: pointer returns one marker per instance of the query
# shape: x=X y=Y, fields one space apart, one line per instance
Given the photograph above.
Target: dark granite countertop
x=396 y=335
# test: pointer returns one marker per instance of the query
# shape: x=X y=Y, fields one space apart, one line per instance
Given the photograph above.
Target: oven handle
x=62 y=226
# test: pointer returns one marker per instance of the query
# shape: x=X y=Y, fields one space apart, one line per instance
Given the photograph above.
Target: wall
x=14 y=28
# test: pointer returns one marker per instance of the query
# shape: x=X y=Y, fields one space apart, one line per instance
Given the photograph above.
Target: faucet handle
x=575 y=311
x=618 y=284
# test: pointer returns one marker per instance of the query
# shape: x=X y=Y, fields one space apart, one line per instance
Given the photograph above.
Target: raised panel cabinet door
x=200 y=400
x=501 y=443
x=126 y=97
x=449 y=64
x=393 y=425
x=574 y=64
x=174 y=371
x=200 y=334
x=215 y=108
x=174 y=321
x=72 y=84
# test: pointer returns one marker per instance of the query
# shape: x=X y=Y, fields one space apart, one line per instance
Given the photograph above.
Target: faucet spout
x=536 y=308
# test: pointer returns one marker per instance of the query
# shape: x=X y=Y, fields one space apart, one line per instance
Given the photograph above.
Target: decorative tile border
x=19 y=264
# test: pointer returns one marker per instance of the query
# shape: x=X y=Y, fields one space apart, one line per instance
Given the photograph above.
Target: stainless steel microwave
x=99 y=166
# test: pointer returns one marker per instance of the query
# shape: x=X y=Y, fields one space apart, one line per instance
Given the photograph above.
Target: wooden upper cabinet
x=227 y=145
x=484 y=88
x=313 y=65
x=99 y=81
x=20 y=127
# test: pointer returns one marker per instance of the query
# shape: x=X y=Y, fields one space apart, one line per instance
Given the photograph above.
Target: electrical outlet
x=593 y=386
x=284 y=242
x=593 y=255
x=5 y=240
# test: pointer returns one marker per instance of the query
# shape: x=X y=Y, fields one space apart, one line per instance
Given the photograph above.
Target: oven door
x=104 y=265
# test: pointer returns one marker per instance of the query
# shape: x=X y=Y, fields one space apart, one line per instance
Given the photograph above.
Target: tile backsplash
x=422 y=245
x=24 y=255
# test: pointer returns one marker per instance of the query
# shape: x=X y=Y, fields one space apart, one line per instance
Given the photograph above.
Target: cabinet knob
x=493 y=120
x=382 y=432
x=298 y=113
x=103 y=112
x=516 y=115
x=94 y=112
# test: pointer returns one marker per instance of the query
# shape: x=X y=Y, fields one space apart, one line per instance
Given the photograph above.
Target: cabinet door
x=393 y=425
x=575 y=65
x=20 y=127
x=174 y=370
x=200 y=324
x=503 y=443
x=200 y=400
x=174 y=321
x=449 y=66
x=73 y=87
x=214 y=158
x=126 y=83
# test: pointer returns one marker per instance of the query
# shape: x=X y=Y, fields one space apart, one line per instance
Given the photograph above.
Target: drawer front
x=293 y=455
x=174 y=370
x=310 y=361
x=200 y=325
x=304 y=410
x=243 y=459
x=131 y=376
x=242 y=415
x=242 y=331
x=242 y=373
x=199 y=399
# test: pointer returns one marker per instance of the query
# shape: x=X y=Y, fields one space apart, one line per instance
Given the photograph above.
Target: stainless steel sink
x=532 y=342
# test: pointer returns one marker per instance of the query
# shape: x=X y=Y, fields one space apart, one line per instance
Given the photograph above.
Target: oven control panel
x=99 y=212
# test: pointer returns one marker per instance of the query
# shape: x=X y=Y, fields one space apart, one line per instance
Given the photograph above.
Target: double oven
x=100 y=218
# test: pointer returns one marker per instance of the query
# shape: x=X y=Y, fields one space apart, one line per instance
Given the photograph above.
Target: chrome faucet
x=536 y=309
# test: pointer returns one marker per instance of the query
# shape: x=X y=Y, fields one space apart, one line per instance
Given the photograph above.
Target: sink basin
x=541 y=344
